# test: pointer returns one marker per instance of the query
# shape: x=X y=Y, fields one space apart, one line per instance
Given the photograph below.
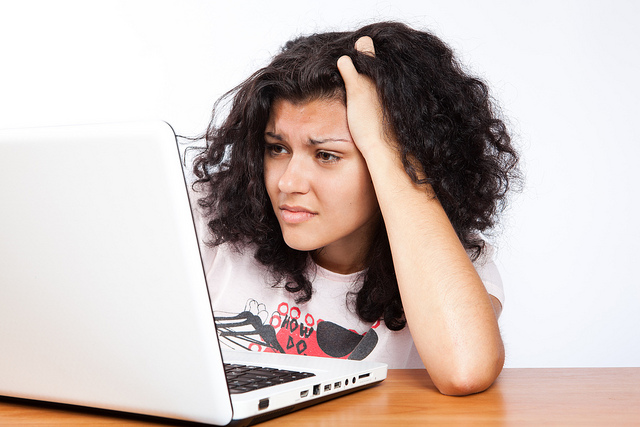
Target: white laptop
x=103 y=298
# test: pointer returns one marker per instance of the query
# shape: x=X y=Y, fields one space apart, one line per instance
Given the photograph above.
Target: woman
x=345 y=192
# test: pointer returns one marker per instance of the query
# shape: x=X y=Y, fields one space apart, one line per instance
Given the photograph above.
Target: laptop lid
x=103 y=300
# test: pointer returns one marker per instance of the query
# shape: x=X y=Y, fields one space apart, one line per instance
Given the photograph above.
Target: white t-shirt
x=252 y=314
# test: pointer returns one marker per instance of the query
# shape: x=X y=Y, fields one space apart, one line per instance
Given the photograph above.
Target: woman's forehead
x=326 y=117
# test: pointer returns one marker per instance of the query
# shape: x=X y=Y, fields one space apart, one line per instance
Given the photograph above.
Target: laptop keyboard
x=244 y=378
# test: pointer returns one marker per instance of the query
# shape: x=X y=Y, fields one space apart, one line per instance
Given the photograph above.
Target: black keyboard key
x=244 y=378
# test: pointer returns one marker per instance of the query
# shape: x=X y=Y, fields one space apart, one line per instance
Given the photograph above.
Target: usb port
x=337 y=385
x=364 y=375
x=327 y=387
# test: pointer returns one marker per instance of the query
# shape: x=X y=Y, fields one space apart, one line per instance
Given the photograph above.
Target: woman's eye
x=327 y=157
x=275 y=149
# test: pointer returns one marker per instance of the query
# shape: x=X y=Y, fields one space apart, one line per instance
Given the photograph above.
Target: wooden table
x=575 y=396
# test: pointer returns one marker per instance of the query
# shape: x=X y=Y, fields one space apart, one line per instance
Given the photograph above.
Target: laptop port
x=364 y=376
x=316 y=389
x=327 y=387
x=263 y=404
x=304 y=393
x=337 y=385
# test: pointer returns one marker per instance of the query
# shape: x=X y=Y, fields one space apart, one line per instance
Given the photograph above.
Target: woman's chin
x=301 y=244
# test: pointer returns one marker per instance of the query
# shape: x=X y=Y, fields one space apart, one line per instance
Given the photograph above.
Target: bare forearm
x=447 y=308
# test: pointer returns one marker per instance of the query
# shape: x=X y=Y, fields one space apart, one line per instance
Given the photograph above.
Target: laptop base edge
x=284 y=411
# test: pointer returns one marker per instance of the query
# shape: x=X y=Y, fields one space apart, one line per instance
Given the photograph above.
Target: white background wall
x=565 y=72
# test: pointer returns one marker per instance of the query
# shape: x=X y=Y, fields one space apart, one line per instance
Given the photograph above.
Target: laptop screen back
x=100 y=275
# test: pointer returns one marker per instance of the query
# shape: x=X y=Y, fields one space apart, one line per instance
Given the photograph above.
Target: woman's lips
x=295 y=214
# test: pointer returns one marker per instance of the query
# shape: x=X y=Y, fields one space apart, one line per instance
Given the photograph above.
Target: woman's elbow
x=471 y=380
x=464 y=386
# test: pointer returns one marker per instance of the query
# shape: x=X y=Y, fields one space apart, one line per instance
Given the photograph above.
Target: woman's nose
x=295 y=178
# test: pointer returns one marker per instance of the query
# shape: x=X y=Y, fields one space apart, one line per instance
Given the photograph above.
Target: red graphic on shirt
x=289 y=330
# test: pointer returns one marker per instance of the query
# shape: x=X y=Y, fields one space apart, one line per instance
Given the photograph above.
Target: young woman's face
x=319 y=184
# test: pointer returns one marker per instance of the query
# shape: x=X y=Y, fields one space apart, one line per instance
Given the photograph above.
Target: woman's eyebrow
x=313 y=141
x=273 y=135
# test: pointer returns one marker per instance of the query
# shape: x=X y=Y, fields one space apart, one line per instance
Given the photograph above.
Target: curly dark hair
x=444 y=121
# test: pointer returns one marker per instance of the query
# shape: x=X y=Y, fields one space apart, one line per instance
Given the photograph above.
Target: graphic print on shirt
x=289 y=330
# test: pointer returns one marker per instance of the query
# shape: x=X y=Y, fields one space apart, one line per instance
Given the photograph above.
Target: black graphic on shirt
x=287 y=331
x=245 y=329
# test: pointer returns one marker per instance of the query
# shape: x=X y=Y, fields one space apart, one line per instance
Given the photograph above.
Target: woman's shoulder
x=486 y=256
x=487 y=269
x=240 y=258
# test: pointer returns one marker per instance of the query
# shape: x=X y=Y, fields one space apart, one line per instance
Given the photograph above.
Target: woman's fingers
x=364 y=112
x=365 y=45
x=347 y=71
x=345 y=65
